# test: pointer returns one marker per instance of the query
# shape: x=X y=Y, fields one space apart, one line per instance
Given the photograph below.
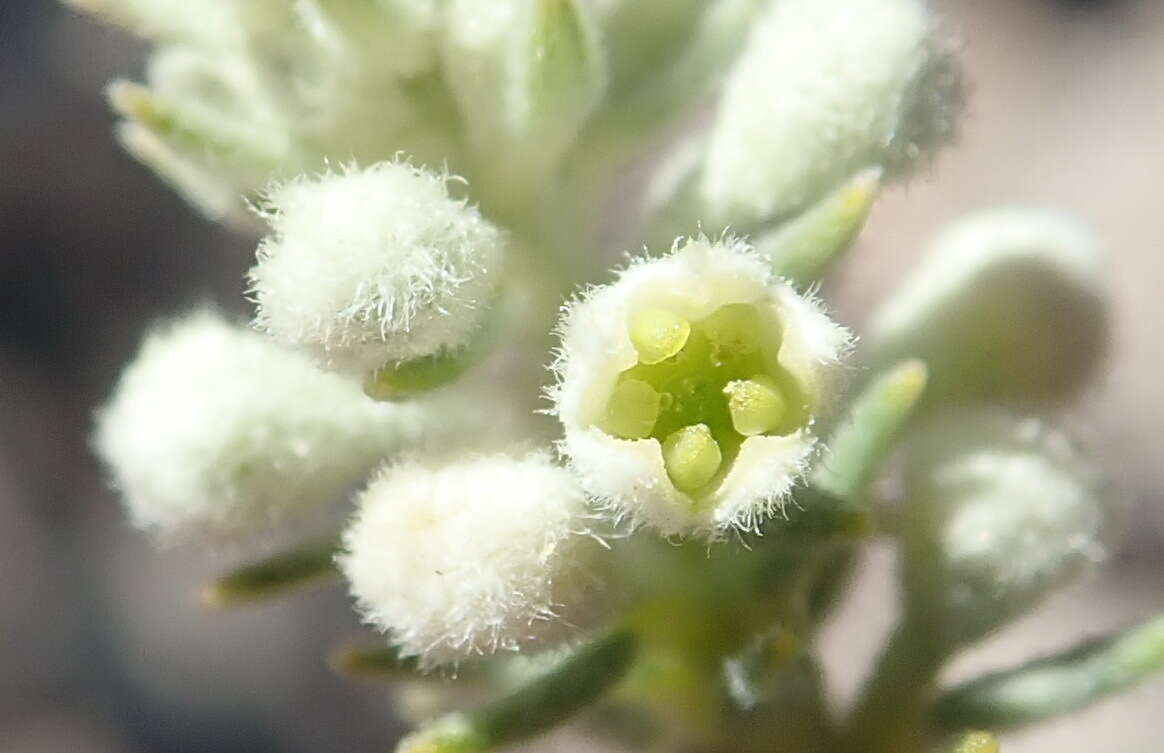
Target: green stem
x=890 y=716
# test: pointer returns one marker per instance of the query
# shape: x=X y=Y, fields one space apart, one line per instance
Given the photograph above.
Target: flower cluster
x=436 y=177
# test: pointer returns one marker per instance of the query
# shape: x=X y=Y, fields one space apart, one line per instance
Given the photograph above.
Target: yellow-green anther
x=977 y=742
x=632 y=410
x=400 y=381
x=757 y=405
x=692 y=457
x=658 y=334
x=734 y=329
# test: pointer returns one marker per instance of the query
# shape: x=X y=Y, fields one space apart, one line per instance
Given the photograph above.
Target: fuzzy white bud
x=688 y=388
x=484 y=554
x=214 y=429
x=376 y=266
x=999 y=512
x=825 y=88
x=1007 y=303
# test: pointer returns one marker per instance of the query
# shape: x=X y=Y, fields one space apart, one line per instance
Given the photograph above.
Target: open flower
x=688 y=388
x=483 y=554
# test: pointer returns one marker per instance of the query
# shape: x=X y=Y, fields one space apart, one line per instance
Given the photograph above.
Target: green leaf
x=273 y=576
x=562 y=69
x=574 y=684
x=874 y=421
x=802 y=248
x=194 y=133
x=1057 y=684
x=376 y=661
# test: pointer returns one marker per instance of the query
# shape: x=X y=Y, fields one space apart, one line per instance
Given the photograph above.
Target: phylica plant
x=625 y=499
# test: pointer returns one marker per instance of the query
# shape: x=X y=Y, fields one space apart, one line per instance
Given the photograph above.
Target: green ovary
x=701 y=388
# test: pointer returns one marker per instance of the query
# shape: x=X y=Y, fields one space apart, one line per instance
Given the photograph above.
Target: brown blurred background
x=103 y=648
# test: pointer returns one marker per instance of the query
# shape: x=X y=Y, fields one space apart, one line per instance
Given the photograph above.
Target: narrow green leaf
x=273 y=576
x=874 y=421
x=1057 y=684
x=802 y=248
x=189 y=131
x=574 y=684
x=374 y=661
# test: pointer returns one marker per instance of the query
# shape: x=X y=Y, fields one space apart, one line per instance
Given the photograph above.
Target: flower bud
x=214 y=429
x=999 y=513
x=1008 y=303
x=389 y=36
x=526 y=75
x=823 y=89
x=373 y=268
x=167 y=20
x=485 y=554
x=688 y=388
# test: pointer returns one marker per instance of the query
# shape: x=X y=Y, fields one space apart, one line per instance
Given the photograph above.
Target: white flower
x=215 y=429
x=825 y=88
x=376 y=266
x=688 y=388
x=999 y=512
x=479 y=555
x=1008 y=302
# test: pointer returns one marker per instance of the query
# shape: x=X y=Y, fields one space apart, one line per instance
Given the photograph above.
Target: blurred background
x=103 y=646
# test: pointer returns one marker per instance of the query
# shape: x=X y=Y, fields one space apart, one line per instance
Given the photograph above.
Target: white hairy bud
x=486 y=553
x=1007 y=303
x=688 y=388
x=377 y=266
x=214 y=429
x=825 y=88
x=1000 y=512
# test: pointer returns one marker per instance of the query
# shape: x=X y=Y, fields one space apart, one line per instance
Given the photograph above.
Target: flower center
x=701 y=388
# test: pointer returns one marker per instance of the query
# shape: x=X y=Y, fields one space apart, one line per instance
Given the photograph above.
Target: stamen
x=692 y=457
x=757 y=405
x=633 y=408
x=734 y=330
x=658 y=334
